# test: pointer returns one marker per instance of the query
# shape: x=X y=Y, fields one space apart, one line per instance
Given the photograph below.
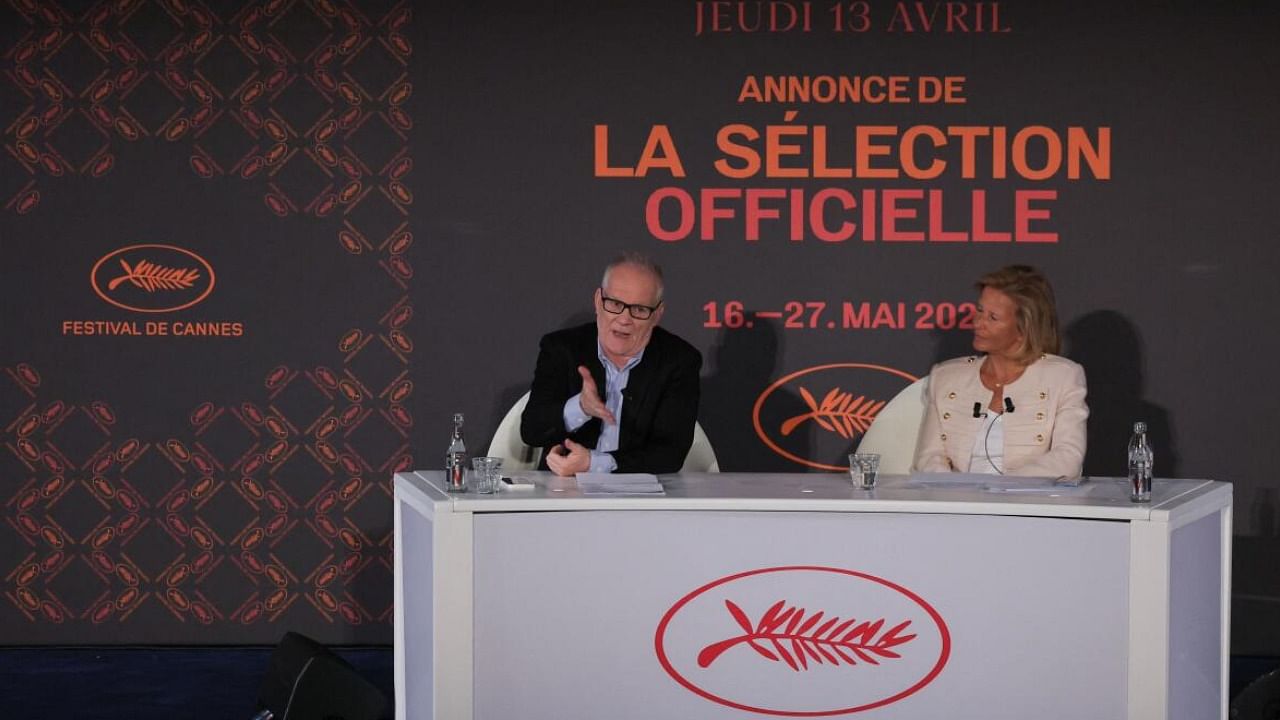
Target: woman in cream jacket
x=1017 y=410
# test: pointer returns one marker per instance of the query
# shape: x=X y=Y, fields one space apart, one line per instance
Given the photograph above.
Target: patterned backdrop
x=164 y=156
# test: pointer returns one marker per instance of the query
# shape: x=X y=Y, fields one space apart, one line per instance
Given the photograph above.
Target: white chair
x=506 y=444
x=896 y=430
x=701 y=457
x=516 y=456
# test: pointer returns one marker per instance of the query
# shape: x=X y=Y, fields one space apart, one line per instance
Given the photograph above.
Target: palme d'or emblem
x=779 y=416
x=152 y=277
x=839 y=412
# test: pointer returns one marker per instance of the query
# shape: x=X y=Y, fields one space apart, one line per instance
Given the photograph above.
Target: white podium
x=770 y=595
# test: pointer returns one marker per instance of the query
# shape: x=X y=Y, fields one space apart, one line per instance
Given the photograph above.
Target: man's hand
x=590 y=400
x=569 y=459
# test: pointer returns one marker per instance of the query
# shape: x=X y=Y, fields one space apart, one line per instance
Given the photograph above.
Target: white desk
x=548 y=604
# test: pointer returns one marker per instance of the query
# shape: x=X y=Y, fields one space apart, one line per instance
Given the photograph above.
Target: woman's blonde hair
x=1037 y=315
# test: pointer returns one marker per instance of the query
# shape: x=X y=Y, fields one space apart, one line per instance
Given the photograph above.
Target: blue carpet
x=145 y=683
x=208 y=683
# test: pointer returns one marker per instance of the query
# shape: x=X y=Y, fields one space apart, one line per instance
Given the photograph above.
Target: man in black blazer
x=620 y=395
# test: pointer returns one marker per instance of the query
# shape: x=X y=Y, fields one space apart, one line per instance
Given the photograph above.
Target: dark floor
x=209 y=683
x=150 y=683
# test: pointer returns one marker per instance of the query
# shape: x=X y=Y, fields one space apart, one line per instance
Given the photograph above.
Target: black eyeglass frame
x=630 y=308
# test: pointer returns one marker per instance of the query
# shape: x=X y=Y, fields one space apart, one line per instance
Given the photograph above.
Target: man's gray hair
x=636 y=260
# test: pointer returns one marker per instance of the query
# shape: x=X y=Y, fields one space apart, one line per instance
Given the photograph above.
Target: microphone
x=1008 y=404
x=977 y=409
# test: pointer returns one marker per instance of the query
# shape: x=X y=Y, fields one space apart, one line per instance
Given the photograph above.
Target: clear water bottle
x=1141 y=462
x=455 y=460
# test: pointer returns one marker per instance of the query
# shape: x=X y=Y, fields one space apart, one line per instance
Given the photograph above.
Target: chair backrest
x=1259 y=700
x=516 y=456
x=306 y=681
x=506 y=444
x=701 y=457
x=896 y=430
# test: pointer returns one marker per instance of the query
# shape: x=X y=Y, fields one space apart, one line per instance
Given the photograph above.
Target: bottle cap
x=1139 y=427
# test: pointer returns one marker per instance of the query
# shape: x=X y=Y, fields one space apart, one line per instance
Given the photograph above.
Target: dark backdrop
x=397 y=201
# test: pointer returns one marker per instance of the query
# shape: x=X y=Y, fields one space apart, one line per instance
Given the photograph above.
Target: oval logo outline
x=93 y=277
x=755 y=409
x=943 y=632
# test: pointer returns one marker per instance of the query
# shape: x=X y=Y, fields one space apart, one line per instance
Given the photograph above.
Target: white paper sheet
x=619 y=484
x=998 y=483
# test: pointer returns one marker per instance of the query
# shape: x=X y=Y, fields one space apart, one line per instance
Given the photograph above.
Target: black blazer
x=660 y=402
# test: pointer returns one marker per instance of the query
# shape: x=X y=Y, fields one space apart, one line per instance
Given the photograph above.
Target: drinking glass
x=486 y=477
x=863 y=469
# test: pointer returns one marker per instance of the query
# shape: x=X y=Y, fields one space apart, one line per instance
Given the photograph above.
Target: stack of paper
x=619 y=484
x=1055 y=487
x=969 y=481
x=997 y=483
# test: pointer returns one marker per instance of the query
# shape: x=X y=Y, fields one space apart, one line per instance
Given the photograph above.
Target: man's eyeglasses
x=615 y=307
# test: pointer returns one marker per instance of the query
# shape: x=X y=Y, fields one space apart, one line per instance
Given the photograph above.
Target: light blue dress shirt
x=615 y=380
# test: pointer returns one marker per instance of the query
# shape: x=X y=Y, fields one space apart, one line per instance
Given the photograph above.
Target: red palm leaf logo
x=840 y=402
x=151 y=277
x=898 y=642
x=834 y=641
x=839 y=412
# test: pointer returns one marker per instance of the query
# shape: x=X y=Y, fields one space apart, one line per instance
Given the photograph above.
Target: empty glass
x=863 y=469
x=486 y=477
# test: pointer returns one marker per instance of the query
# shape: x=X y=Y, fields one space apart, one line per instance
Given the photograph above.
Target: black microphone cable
x=986 y=448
